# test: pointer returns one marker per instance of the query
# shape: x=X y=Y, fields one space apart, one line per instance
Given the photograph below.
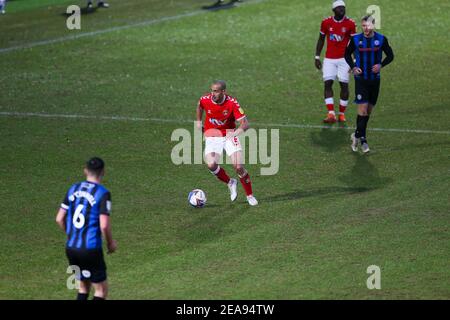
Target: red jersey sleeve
x=353 y=28
x=323 y=27
x=238 y=112
x=200 y=104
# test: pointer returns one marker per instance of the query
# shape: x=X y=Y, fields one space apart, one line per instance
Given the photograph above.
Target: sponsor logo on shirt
x=217 y=122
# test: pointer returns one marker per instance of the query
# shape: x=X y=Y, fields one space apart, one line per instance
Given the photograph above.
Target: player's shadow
x=216 y=7
x=210 y=222
x=364 y=174
x=363 y=177
x=330 y=139
x=83 y=11
x=318 y=192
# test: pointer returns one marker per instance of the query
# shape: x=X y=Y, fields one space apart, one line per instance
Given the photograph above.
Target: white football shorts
x=335 y=67
x=217 y=144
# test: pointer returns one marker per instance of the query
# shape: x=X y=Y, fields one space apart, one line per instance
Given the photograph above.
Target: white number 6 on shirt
x=78 y=218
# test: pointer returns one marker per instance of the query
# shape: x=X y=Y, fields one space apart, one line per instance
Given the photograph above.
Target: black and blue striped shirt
x=367 y=53
x=85 y=202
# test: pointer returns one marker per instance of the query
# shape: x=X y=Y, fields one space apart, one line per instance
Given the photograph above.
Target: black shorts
x=88 y=265
x=366 y=91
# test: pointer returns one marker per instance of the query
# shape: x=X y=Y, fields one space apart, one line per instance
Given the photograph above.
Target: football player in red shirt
x=222 y=113
x=337 y=30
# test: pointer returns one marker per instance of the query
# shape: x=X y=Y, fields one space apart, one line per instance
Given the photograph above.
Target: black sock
x=98 y=298
x=359 y=126
x=82 y=296
x=364 y=129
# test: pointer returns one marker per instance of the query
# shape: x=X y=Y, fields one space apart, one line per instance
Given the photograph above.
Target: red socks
x=330 y=105
x=245 y=180
x=342 y=106
x=246 y=184
x=221 y=174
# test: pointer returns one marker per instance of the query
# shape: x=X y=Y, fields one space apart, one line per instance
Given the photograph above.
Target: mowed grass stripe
x=291 y=125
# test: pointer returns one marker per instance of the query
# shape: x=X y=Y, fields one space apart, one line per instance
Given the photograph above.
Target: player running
x=337 y=30
x=84 y=217
x=222 y=113
x=367 y=48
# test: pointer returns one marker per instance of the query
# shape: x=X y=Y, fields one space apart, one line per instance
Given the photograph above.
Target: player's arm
x=61 y=218
x=349 y=57
x=105 y=227
x=243 y=126
x=199 y=116
x=319 y=47
x=349 y=53
x=387 y=49
x=105 y=222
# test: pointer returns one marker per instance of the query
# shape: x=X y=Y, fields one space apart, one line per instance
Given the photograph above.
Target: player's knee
x=363 y=113
x=212 y=166
x=239 y=168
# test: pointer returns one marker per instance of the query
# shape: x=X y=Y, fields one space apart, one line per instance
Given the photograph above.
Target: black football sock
x=82 y=296
x=365 y=119
x=359 y=126
x=98 y=298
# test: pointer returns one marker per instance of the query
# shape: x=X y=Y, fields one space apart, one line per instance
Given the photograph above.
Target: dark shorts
x=88 y=265
x=366 y=91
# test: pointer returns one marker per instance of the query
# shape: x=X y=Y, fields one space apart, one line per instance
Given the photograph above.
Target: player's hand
x=356 y=71
x=376 y=68
x=318 y=64
x=231 y=134
x=112 y=246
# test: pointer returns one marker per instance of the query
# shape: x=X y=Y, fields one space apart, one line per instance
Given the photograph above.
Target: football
x=197 y=198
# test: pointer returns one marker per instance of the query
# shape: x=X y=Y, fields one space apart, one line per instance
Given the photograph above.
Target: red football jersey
x=338 y=35
x=221 y=116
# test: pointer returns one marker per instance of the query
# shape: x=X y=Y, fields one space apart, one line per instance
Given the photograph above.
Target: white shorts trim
x=333 y=68
x=218 y=144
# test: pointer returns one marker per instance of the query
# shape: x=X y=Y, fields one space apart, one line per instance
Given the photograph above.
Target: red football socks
x=221 y=174
x=342 y=106
x=246 y=184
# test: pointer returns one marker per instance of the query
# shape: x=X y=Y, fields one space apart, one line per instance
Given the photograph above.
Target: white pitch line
x=108 y=30
x=161 y=120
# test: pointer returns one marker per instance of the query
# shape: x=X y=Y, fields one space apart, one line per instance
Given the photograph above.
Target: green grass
x=322 y=220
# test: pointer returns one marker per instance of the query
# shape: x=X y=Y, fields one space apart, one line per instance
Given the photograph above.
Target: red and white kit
x=338 y=34
x=220 y=117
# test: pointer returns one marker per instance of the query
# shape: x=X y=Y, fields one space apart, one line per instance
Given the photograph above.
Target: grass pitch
x=322 y=220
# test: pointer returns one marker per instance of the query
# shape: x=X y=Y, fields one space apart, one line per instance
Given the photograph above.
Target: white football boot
x=355 y=142
x=252 y=200
x=365 y=147
x=232 y=186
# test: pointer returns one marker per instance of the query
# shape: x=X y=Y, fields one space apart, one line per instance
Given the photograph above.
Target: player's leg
x=213 y=149
x=212 y=161
x=343 y=102
x=373 y=91
x=361 y=99
x=330 y=70
x=234 y=150
x=100 y=290
x=343 y=76
x=98 y=277
x=362 y=119
x=83 y=292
